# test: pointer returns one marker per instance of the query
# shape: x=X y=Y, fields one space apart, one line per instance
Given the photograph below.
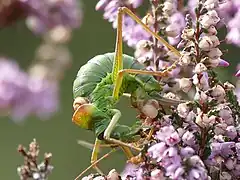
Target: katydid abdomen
x=97 y=68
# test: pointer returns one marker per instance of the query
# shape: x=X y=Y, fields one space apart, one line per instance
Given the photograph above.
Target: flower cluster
x=30 y=169
x=36 y=91
x=230 y=12
x=22 y=94
x=48 y=15
x=162 y=18
x=168 y=158
x=42 y=16
x=165 y=20
x=112 y=175
x=132 y=32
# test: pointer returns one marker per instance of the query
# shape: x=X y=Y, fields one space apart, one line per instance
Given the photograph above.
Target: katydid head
x=83 y=116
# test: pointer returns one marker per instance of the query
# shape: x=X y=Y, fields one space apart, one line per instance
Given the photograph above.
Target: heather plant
x=37 y=90
x=198 y=139
x=30 y=168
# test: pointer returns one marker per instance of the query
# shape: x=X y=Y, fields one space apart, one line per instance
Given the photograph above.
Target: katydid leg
x=109 y=130
x=163 y=73
x=123 y=10
x=94 y=156
x=118 y=64
x=127 y=152
x=93 y=164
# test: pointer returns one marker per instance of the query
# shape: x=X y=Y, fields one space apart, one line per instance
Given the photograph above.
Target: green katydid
x=100 y=83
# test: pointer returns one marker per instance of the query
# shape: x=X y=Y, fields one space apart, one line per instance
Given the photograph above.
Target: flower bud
x=205 y=43
x=201 y=96
x=214 y=53
x=203 y=121
x=223 y=63
x=185 y=84
x=101 y=5
x=225 y=176
x=237 y=73
x=148 y=20
x=188 y=33
x=195 y=161
x=230 y=163
x=59 y=34
x=169 y=7
x=157 y=174
x=212 y=30
x=171 y=95
x=113 y=175
x=231 y=132
x=150 y=109
x=215 y=41
x=179 y=172
x=228 y=86
x=183 y=110
x=172 y=30
x=199 y=68
x=185 y=59
x=188 y=138
x=210 y=18
x=203 y=81
x=190 y=117
x=210 y=4
x=213 y=62
x=220 y=128
x=218 y=92
x=143 y=51
x=187 y=152
x=224 y=111
x=171 y=56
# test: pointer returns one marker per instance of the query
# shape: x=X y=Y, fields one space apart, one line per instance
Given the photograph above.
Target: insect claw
x=136 y=159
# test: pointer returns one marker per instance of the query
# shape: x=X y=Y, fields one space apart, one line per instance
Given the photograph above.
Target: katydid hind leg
x=118 y=70
x=94 y=156
x=123 y=10
x=127 y=152
x=93 y=164
x=118 y=62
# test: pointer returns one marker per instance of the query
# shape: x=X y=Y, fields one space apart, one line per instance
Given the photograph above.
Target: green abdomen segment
x=97 y=69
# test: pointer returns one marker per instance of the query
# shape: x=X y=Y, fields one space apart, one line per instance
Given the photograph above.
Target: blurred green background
x=59 y=135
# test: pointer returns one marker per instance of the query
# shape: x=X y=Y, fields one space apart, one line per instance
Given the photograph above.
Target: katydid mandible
x=100 y=83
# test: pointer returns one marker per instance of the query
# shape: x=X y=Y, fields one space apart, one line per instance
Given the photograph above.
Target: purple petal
x=223 y=63
x=238 y=73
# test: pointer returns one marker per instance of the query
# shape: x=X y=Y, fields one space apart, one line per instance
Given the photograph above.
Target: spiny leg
x=127 y=152
x=137 y=71
x=93 y=164
x=111 y=126
x=94 y=156
x=122 y=10
x=118 y=64
x=91 y=146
